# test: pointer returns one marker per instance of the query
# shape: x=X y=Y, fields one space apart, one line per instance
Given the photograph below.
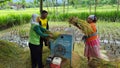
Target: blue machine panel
x=62 y=46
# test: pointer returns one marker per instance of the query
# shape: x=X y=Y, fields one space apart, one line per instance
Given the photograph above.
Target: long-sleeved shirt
x=36 y=31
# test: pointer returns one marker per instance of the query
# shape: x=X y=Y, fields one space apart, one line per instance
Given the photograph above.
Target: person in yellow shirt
x=44 y=23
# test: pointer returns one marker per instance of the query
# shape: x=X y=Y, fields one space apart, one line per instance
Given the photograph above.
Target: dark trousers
x=36 y=55
x=45 y=41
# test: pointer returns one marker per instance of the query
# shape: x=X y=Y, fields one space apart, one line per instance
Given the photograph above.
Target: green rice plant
x=19 y=17
x=14 y=19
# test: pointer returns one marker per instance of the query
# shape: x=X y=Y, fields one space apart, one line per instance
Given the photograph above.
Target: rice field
x=110 y=38
x=10 y=17
x=106 y=30
x=60 y=9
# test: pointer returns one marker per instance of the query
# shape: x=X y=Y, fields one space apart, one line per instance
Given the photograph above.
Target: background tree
x=35 y=2
x=89 y=6
x=118 y=2
x=63 y=6
x=74 y=3
x=23 y=2
x=41 y=5
x=68 y=5
x=47 y=4
x=95 y=5
x=3 y=3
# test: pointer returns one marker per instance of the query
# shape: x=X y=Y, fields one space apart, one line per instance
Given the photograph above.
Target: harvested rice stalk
x=54 y=34
x=82 y=25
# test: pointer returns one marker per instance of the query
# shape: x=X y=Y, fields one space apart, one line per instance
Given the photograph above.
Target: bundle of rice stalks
x=82 y=25
x=54 y=34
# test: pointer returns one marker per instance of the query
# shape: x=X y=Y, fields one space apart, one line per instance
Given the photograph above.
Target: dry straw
x=82 y=25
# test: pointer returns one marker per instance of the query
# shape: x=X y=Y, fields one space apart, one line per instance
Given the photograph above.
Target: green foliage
x=14 y=19
x=20 y=17
x=104 y=16
x=87 y=2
